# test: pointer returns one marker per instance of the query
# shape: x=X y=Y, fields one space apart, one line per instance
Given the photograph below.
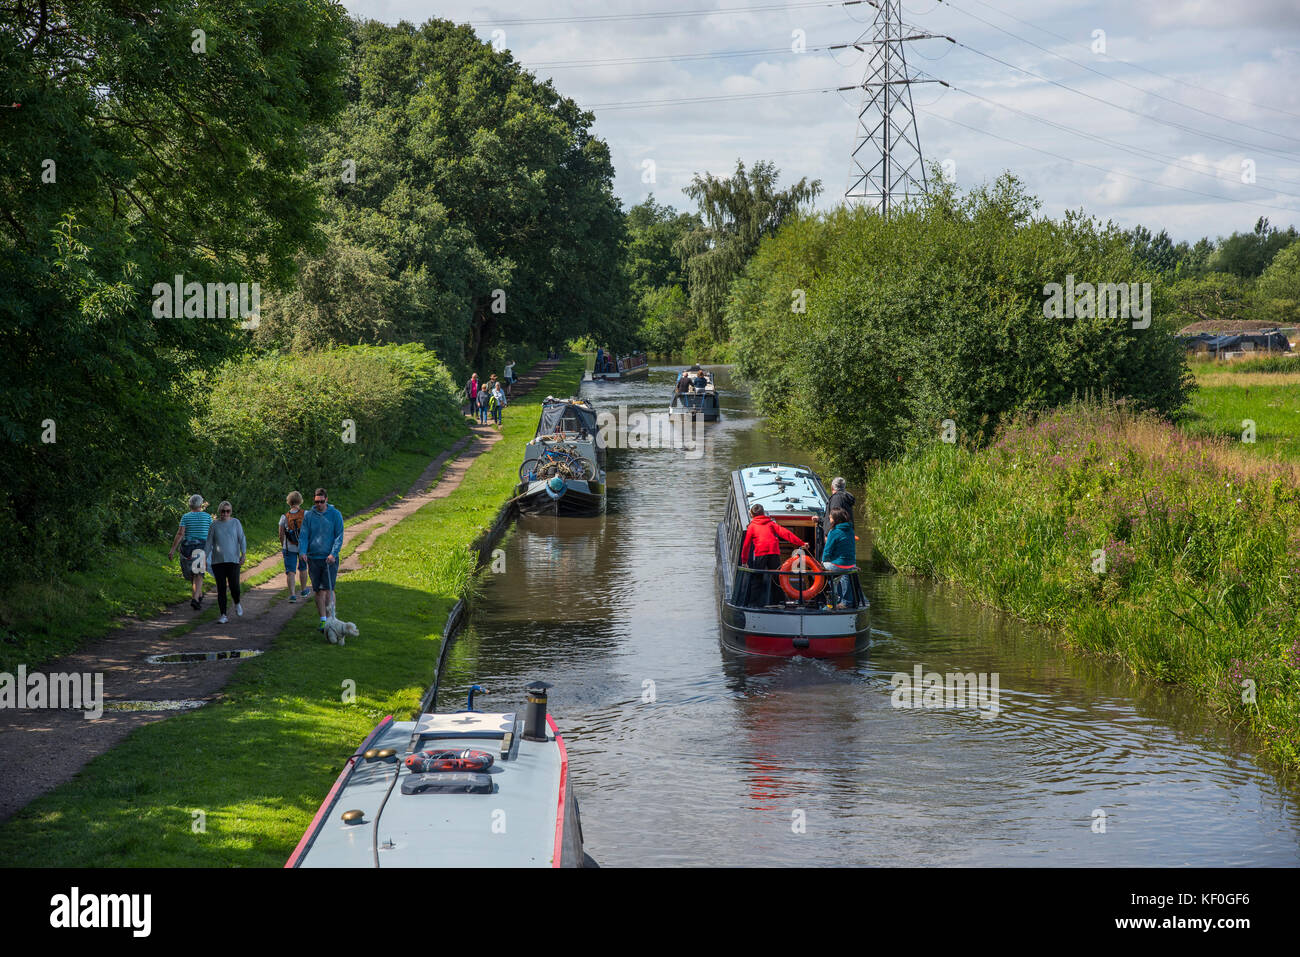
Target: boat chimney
x=535 y=713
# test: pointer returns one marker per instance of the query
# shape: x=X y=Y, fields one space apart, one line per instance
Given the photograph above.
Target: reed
x=1200 y=543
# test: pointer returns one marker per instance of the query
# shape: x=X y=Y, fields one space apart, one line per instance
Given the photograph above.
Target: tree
x=653 y=231
x=1278 y=292
x=152 y=139
x=1248 y=254
x=656 y=280
x=737 y=213
x=1214 y=297
x=476 y=188
x=943 y=311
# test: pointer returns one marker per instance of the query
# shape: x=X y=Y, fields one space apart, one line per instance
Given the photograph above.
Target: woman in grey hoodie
x=226 y=552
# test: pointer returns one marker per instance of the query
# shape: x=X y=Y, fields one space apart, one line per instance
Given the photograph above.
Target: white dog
x=338 y=631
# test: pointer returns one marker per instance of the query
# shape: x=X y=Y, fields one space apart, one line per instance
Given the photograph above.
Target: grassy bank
x=364 y=421
x=1200 y=542
x=259 y=762
x=45 y=619
x=1265 y=391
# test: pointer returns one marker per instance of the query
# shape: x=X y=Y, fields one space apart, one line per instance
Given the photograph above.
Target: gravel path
x=41 y=749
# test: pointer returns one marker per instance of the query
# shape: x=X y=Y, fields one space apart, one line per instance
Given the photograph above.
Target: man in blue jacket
x=320 y=540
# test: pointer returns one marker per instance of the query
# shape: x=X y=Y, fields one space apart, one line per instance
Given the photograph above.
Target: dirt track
x=41 y=749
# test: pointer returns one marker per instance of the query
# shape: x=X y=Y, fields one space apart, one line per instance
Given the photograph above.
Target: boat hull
x=708 y=411
x=580 y=499
x=640 y=372
x=794 y=635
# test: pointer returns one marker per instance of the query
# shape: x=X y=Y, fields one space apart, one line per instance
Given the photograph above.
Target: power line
x=671 y=57
x=1112 y=172
x=673 y=101
x=1132 y=86
x=1136 y=66
x=671 y=14
x=1239 y=144
x=1141 y=152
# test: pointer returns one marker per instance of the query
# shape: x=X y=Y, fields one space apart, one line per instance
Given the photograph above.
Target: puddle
x=185 y=657
x=176 y=704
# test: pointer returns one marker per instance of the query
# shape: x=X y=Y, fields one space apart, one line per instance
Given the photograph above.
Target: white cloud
x=1243 y=55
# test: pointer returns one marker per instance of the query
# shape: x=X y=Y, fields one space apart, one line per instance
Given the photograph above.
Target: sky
x=1162 y=107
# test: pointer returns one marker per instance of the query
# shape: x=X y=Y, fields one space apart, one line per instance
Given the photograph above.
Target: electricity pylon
x=887 y=164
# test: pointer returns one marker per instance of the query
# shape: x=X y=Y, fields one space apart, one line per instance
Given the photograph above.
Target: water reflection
x=688 y=753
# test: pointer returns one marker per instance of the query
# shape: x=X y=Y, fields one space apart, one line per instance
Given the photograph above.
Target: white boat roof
x=780 y=489
x=514 y=826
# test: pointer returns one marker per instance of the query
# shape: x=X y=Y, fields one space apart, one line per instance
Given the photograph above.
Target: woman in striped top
x=191 y=539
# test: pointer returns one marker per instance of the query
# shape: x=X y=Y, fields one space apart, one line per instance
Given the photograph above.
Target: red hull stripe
x=329 y=798
x=783 y=645
x=557 y=856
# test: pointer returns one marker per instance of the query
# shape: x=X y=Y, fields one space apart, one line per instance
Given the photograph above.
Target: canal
x=683 y=752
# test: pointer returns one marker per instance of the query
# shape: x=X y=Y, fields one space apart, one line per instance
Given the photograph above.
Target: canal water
x=684 y=752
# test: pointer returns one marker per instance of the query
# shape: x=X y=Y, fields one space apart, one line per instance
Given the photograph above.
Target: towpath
x=41 y=749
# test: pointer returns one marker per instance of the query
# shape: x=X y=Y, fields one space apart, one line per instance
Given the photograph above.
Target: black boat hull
x=580 y=500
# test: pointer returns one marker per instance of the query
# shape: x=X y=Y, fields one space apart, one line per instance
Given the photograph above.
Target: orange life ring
x=787 y=580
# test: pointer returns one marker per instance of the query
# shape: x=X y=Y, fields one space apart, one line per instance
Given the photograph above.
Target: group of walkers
x=489 y=399
x=310 y=541
x=761 y=549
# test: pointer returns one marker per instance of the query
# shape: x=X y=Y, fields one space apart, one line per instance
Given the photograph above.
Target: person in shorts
x=192 y=539
x=290 y=531
x=320 y=540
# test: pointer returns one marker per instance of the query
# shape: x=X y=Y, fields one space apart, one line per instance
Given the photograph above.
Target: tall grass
x=1200 y=543
x=269 y=426
x=260 y=760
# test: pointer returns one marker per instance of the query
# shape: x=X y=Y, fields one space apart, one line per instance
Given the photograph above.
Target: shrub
x=938 y=313
x=278 y=423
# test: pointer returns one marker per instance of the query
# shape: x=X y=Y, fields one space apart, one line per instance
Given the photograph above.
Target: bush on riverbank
x=321 y=418
x=264 y=426
x=862 y=334
x=1201 y=549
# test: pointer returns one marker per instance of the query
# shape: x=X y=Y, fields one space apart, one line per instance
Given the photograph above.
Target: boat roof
x=513 y=826
x=780 y=488
x=566 y=415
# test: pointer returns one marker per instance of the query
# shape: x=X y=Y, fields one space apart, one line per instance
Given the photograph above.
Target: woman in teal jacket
x=840 y=554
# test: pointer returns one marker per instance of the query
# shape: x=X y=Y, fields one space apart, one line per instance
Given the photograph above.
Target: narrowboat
x=466 y=789
x=694 y=395
x=563 y=472
x=794 y=611
x=611 y=368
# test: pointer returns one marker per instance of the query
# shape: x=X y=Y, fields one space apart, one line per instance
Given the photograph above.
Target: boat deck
x=513 y=826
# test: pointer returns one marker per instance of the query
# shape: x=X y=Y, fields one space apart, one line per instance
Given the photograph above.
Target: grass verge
x=1252 y=403
x=54 y=618
x=259 y=762
x=1178 y=556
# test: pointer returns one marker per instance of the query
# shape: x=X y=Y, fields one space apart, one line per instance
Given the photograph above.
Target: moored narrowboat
x=563 y=472
x=802 y=609
x=611 y=368
x=467 y=789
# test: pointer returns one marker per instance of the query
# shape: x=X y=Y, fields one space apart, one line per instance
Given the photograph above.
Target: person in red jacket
x=762 y=549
